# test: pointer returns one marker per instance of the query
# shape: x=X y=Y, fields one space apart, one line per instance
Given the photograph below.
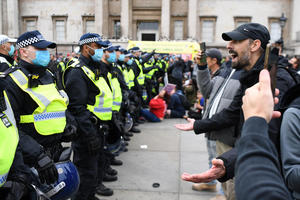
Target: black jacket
x=81 y=92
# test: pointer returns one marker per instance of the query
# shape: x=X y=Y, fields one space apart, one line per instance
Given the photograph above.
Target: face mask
x=129 y=62
x=121 y=57
x=112 y=57
x=42 y=58
x=97 y=55
x=12 y=51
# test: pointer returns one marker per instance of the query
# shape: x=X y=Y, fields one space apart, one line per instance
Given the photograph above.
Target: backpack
x=186 y=104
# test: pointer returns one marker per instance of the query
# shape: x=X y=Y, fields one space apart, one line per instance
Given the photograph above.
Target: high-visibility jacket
x=125 y=74
x=141 y=77
x=131 y=77
x=117 y=91
x=9 y=139
x=49 y=117
x=150 y=73
x=102 y=108
x=62 y=65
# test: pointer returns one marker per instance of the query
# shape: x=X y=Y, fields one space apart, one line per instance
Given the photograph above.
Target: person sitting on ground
x=175 y=106
x=158 y=108
x=196 y=111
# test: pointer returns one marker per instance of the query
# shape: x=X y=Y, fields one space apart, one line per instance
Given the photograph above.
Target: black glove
x=94 y=145
x=46 y=169
x=69 y=134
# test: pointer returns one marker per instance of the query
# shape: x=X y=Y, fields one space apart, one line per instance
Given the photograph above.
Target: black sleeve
x=227 y=117
x=257 y=169
x=229 y=159
x=77 y=90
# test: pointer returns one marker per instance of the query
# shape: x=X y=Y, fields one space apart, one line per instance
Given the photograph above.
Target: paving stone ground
x=160 y=154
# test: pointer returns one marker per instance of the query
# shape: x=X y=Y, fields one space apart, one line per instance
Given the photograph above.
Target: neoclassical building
x=64 y=21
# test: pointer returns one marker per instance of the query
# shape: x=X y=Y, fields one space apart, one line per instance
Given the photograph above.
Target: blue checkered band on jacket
x=28 y=42
x=3 y=178
x=50 y=115
x=89 y=40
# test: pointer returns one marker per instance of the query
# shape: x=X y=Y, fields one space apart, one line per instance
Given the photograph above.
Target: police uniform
x=91 y=104
x=39 y=108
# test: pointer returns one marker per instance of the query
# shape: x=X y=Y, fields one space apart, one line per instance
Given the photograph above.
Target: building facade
x=64 y=21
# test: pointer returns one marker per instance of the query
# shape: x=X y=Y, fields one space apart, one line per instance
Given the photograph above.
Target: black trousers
x=90 y=168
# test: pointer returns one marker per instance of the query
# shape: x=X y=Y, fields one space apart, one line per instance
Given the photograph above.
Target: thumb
x=264 y=80
x=217 y=162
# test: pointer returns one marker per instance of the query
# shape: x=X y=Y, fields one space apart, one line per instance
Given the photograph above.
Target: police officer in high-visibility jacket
x=7 y=51
x=91 y=101
x=39 y=108
x=12 y=167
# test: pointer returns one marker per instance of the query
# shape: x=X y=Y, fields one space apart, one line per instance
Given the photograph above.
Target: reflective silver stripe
x=102 y=110
x=113 y=88
x=64 y=95
x=18 y=75
x=49 y=116
x=9 y=112
x=3 y=178
x=116 y=103
x=141 y=77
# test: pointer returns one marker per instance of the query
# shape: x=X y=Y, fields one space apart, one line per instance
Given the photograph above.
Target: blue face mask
x=12 y=51
x=42 y=58
x=98 y=55
x=112 y=57
x=129 y=62
x=121 y=57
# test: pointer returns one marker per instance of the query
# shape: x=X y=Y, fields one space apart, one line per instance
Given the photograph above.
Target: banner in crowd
x=183 y=48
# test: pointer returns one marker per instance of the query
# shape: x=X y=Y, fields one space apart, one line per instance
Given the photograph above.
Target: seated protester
x=175 y=106
x=196 y=111
x=190 y=91
x=157 y=108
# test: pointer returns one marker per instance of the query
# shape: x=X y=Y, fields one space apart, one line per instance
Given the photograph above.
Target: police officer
x=7 y=51
x=39 y=108
x=91 y=102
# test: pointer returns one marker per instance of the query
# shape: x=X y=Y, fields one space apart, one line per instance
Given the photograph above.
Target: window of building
x=208 y=25
x=88 y=24
x=29 y=24
x=275 y=29
x=117 y=29
x=178 y=30
x=241 y=20
x=60 y=28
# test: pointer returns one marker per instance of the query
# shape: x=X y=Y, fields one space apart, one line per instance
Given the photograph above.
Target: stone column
x=13 y=18
x=126 y=19
x=101 y=17
x=293 y=21
x=192 y=19
x=1 y=17
x=165 y=19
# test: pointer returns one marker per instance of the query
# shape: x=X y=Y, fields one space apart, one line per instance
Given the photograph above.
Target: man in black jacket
x=246 y=47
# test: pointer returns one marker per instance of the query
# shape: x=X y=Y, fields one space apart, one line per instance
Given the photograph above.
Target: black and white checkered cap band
x=89 y=40
x=27 y=42
x=4 y=41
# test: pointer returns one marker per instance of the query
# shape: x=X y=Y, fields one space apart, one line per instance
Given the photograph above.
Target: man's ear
x=255 y=45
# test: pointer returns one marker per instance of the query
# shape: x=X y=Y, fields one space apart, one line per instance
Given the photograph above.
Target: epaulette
x=8 y=71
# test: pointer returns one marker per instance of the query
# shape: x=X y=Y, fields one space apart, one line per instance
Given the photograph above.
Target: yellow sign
x=166 y=47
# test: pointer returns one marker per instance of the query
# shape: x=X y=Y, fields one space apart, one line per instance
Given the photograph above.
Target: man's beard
x=243 y=60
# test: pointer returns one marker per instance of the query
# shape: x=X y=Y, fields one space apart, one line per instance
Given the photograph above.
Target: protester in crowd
x=175 y=105
x=196 y=111
x=157 y=107
x=175 y=72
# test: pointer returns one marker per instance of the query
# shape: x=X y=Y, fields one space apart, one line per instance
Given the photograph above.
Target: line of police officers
x=100 y=88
